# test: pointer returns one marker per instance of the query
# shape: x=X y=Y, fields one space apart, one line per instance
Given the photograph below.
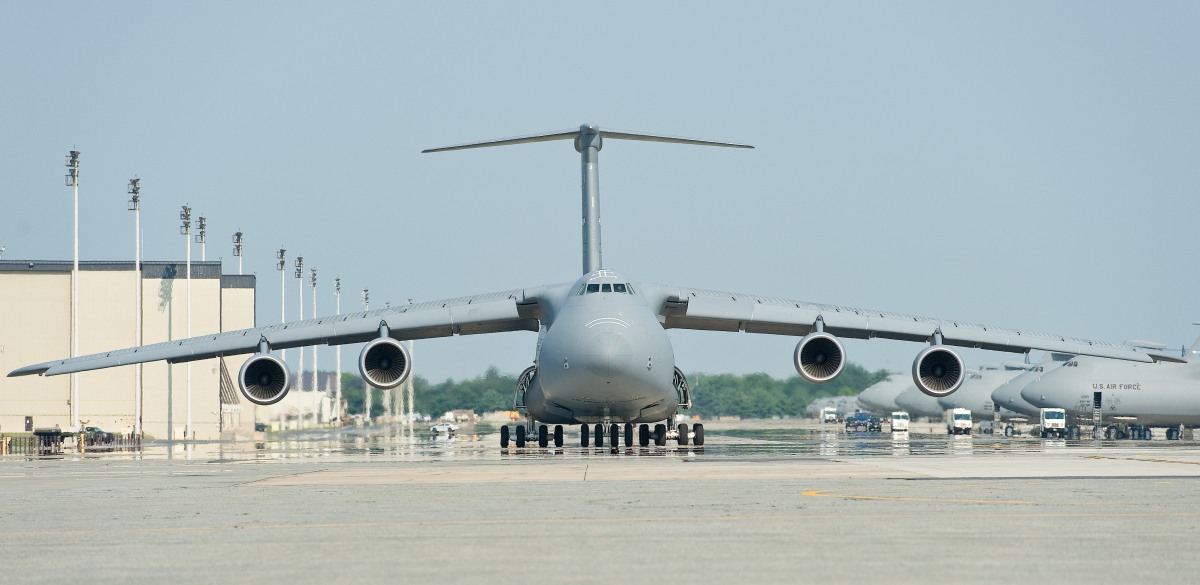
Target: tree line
x=713 y=395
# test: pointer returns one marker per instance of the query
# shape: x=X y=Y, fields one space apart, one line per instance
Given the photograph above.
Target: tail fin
x=589 y=139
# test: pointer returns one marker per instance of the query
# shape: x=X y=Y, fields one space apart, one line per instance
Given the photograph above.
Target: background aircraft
x=880 y=397
x=1130 y=397
x=976 y=392
x=603 y=356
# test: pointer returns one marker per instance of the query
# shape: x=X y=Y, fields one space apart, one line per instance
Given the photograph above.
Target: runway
x=759 y=504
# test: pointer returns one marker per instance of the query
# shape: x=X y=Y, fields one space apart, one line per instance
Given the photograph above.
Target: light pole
x=185 y=229
x=337 y=359
x=237 y=248
x=73 y=182
x=280 y=264
x=135 y=205
x=202 y=237
x=300 y=316
x=367 y=389
x=316 y=386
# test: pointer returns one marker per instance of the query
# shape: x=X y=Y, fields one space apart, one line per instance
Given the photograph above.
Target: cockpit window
x=619 y=287
x=593 y=288
x=607 y=288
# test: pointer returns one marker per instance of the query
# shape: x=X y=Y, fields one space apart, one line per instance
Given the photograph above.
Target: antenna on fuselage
x=588 y=141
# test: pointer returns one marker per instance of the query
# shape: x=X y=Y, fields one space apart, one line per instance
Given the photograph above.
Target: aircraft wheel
x=698 y=435
x=683 y=435
x=504 y=437
x=520 y=436
x=1111 y=433
x=599 y=435
x=660 y=434
x=558 y=436
x=1147 y=434
x=628 y=434
x=643 y=435
x=614 y=435
x=543 y=439
x=583 y=435
x=1008 y=431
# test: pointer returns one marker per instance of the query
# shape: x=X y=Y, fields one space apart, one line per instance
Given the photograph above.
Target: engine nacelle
x=819 y=357
x=264 y=379
x=938 y=371
x=384 y=363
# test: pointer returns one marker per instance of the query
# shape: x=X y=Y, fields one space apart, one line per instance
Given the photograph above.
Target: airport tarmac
x=760 y=503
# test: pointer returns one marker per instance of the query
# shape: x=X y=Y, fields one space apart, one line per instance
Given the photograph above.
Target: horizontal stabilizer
x=587 y=129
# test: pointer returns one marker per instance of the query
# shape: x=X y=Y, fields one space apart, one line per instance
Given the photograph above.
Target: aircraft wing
x=515 y=310
x=693 y=308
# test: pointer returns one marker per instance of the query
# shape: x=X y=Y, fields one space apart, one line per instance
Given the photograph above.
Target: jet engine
x=384 y=363
x=938 y=371
x=264 y=379
x=819 y=357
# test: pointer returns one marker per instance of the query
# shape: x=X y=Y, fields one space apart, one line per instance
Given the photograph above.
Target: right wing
x=693 y=308
x=515 y=310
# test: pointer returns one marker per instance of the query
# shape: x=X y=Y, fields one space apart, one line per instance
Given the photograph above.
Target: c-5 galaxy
x=603 y=356
x=1123 y=398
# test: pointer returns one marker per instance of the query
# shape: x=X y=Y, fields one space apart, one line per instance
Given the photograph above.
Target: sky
x=1019 y=164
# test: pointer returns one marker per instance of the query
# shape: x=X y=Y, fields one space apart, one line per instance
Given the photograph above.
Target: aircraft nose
x=608 y=353
x=1039 y=394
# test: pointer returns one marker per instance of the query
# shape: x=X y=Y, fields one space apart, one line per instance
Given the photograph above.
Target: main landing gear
x=660 y=435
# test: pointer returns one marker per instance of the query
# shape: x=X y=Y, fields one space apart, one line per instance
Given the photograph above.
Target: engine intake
x=938 y=371
x=264 y=379
x=384 y=363
x=819 y=357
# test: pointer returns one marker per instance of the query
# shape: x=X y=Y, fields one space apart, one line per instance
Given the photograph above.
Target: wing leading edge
x=515 y=310
x=691 y=308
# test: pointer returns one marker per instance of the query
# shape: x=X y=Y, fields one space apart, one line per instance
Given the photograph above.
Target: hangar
x=35 y=326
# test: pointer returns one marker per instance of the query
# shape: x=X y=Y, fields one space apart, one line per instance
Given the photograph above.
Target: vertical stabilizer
x=589 y=139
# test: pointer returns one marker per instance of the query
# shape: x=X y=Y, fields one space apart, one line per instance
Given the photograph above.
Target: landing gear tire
x=660 y=434
x=628 y=434
x=614 y=435
x=599 y=435
x=643 y=435
x=504 y=437
x=698 y=435
x=520 y=436
x=1111 y=433
x=1008 y=431
x=683 y=435
x=583 y=435
x=558 y=436
x=543 y=438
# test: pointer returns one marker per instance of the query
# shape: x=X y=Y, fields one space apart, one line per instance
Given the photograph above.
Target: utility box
x=29 y=424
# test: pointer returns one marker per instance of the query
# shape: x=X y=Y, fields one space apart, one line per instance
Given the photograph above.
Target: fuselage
x=602 y=356
x=976 y=393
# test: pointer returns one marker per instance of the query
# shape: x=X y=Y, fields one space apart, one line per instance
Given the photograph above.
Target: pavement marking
x=826 y=494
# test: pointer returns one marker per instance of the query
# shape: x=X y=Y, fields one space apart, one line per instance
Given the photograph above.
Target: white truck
x=958 y=421
x=829 y=414
x=899 y=422
x=1054 y=423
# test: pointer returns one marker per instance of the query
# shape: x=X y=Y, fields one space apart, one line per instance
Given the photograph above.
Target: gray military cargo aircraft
x=603 y=356
x=880 y=397
x=1132 y=398
x=976 y=393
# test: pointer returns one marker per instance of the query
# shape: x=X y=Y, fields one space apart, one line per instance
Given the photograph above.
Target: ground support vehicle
x=958 y=421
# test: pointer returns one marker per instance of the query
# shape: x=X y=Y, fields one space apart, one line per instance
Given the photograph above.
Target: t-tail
x=588 y=141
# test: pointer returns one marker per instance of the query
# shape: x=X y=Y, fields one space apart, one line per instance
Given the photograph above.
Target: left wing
x=693 y=308
x=515 y=310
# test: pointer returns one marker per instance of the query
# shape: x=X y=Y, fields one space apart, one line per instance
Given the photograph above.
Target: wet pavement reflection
x=725 y=441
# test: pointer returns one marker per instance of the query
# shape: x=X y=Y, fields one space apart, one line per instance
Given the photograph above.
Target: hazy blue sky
x=1023 y=164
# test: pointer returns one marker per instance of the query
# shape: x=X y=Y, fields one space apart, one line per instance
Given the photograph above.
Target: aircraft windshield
x=1055 y=415
x=595 y=287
